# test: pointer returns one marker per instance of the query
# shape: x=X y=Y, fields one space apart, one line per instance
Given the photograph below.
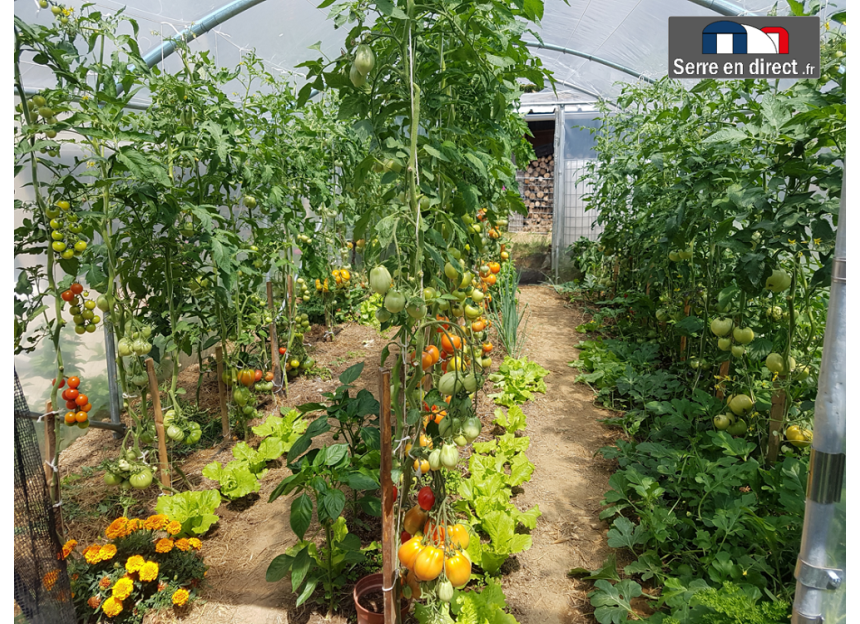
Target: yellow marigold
x=195 y=543
x=68 y=547
x=156 y=522
x=50 y=579
x=105 y=582
x=107 y=552
x=149 y=571
x=182 y=544
x=174 y=527
x=117 y=528
x=180 y=597
x=112 y=607
x=134 y=564
x=164 y=545
x=122 y=589
x=94 y=602
x=92 y=554
x=134 y=524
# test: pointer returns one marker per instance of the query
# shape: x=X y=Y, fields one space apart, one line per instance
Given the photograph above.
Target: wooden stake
x=163 y=465
x=222 y=392
x=774 y=425
x=390 y=598
x=273 y=336
x=52 y=477
x=684 y=338
x=724 y=371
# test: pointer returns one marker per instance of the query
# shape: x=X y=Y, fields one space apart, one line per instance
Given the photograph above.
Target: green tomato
x=395 y=301
x=58 y=246
x=449 y=456
x=112 y=479
x=722 y=422
x=141 y=480
x=740 y=404
x=80 y=246
x=778 y=281
x=775 y=363
x=737 y=428
x=724 y=344
x=380 y=280
x=721 y=327
x=738 y=351
x=743 y=335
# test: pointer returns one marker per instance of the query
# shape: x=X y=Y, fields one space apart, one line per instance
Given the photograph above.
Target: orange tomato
x=74 y=382
x=435 y=533
x=440 y=416
x=422 y=465
x=427 y=360
x=428 y=564
x=414 y=518
x=87 y=407
x=434 y=352
x=269 y=376
x=450 y=343
x=491 y=279
x=70 y=418
x=458 y=569
x=458 y=536
x=478 y=325
x=409 y=550
x=81 y=400
x=81 y=417
x=486 y=347
x=439 y=328
x=495 y=267
x=425 y=440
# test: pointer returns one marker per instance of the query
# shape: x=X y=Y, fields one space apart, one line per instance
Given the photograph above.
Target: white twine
x=40 y=418
x=58 y=503
x=399 y=444
x=52 y=465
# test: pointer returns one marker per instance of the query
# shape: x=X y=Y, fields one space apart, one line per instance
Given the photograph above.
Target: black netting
x=42 y=591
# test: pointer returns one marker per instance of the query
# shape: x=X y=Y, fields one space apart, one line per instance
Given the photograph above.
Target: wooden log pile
x=537 y=193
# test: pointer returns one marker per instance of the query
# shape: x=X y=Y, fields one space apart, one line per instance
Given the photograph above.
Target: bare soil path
x=568 y=482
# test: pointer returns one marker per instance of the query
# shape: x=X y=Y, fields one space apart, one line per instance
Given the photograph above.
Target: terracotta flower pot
x=369 y=583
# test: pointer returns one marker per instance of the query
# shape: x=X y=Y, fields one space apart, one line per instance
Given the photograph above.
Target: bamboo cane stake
x=222 y=393
x=392 y=614
x=163 y=466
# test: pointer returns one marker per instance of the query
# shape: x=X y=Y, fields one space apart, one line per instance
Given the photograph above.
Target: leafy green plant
x=510 y=319
x=513 y=421
x=235 y=478
x=486 y=606
x=612 y=602
x=194 y=510
x=518 y=379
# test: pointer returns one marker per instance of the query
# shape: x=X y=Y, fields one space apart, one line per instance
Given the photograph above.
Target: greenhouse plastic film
x=41 y=584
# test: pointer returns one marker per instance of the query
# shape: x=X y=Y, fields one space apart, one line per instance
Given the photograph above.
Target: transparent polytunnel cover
x=632 y=33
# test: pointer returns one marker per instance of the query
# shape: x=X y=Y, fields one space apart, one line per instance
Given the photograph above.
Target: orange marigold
x=162 y=585
x=156 y=522
x=134 y=524
x=122 y=589
x=149 y=571
x=182 y=544
x=50 y=579
x=134 y=564
x=92 y=554
x=195 y=543
x=107 y=552
x=105 y=582
x=94 y=602
x=68 y=547
x=112 y=607
x=164 y=545
x=117 y=528
x=180 y=597
x=174 y=527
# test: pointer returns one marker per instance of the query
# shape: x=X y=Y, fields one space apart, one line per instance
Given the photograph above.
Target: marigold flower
x=174 y=527
x=68 y=547
x=180 y=597
x=164 y=545
x=182 y=544
x=94 y=602
x=107 y=552
x=122 y=589
x=134 y=564
x=92 y=554
x=195 y=543
x=149 y=571
x=135 y=524
x=50 y=579
x=112 y=607
x=105 y=582
x=117 y=528
x=162 y=586
x=156 y=522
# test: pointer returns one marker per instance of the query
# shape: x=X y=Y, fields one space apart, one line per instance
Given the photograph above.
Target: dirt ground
x=568 y=484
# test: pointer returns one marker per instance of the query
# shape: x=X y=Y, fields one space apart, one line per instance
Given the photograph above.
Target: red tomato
x=62 y=382
x=426 y=498
x=71 y=405
x=76 y=288
x=258 y=375
x=394 y=487
x=72 y=394
x=65 y=395
x=74 y=382
x=404 y=537
x=81 y=400
x=67 y=295
x=282 y=350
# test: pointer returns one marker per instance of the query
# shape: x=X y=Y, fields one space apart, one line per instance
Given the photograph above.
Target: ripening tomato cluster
x=432 y=552
x=83 y=308
x=77 y=403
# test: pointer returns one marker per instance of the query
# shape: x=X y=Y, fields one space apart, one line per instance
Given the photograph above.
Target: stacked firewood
x=537 y=192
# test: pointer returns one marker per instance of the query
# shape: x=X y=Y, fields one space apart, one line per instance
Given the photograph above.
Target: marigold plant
x=140 y=569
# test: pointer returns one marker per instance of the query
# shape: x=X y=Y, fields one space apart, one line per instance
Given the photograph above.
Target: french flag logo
x=725 y=37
